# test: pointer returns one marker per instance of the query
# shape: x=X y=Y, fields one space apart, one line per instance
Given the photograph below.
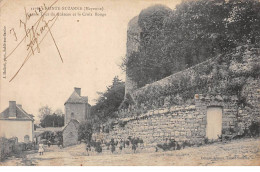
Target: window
x=26 y=138
x=72 y=115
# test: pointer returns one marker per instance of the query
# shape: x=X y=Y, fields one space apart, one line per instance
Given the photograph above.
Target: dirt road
x=240 y=152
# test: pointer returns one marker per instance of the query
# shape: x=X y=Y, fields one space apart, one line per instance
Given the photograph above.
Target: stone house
x=70 y=133
x=15 y=122
x=77 y=109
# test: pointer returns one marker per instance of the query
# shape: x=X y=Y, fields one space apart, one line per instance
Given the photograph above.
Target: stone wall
x=79 y=111
x=6 y=146
x=249 y=107
x=11 y=147
x=181 y=123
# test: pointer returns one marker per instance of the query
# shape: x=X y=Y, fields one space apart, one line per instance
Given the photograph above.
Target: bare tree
x=59 y=112
x=44 y=111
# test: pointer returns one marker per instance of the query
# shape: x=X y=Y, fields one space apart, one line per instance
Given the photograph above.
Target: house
x=15 y=122
x=77 y=109
x=70 y=133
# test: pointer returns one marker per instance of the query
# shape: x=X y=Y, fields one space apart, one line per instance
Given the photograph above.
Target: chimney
x=77 y=90
x=12 y=109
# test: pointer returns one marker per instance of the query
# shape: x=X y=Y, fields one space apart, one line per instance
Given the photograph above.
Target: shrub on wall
x=122 y=123
x=254 y=129
x=214 y=75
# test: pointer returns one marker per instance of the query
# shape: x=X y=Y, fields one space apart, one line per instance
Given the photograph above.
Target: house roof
x=76 y=98
x=73 y=121
x=20 y=115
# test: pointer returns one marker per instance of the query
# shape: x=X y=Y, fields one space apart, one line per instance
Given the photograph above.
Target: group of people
x=112 y=145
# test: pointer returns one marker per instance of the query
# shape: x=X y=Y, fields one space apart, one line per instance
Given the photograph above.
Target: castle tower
x=132 y=45
x=77 y=107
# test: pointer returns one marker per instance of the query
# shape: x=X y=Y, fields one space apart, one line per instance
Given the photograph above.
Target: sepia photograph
x=129 y=83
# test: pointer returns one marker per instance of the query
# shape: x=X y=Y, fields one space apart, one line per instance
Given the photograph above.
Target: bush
x=127 y=142
x=122 y=123
x=168 y=146
x=186 y=144
x=254 y=129
x=97 y=146
x=85 y=131
x=206 y=140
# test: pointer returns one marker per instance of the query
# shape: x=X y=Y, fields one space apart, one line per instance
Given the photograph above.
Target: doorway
x=214 y=123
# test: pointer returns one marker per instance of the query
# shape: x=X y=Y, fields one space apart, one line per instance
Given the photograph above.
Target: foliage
x=53 y=137
x=171 y=41
x=85 y=131
x=128 y=100
x=135 y=141
x=122 y=123
x=59 y=138
x=254 y=128
x=181 y=87
x=48 y=135
x=206 y=140
x=97 y=146
x=44 y=111
x=53 y=120
x=109 y=101
x=168 y=146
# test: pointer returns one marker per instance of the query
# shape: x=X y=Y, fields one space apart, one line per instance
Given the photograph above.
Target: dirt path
x=241 y=152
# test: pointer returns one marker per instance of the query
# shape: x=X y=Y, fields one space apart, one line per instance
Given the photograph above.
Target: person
x=88 y=148
x=41 y=149
x=112 y=143
x=49 y=143
x=121 y=145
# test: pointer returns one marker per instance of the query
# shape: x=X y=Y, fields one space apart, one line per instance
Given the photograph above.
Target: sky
x=91 y=47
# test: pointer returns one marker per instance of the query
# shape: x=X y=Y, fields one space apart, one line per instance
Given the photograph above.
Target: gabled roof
x=76 y=98
x=20 y=115
x=74 y=122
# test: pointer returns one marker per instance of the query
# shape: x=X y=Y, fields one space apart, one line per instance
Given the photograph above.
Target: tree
x=85 y=131
x=53 y=120
x=59 y=112
x=195 y=31
x=109 y=101
x=44 y=111
x=49 y=119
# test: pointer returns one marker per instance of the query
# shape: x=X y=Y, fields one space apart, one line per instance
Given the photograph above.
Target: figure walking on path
x=41 y=149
